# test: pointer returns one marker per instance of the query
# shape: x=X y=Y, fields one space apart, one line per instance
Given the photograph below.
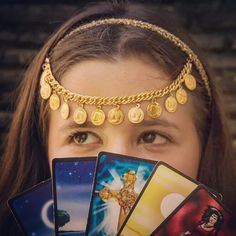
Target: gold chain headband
x=52 y=90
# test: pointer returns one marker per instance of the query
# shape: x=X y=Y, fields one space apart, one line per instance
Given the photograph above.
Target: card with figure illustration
x=163 y=192
x=72 y=188
x=118 y=181
x=201 y=213
x=33 y=210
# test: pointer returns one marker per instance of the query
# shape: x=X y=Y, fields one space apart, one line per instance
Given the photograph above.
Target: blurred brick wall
x=25 y=25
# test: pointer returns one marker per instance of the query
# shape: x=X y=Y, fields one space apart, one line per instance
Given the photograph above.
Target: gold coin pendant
x=154 y=110
x=98 y=117
x=115 y=116
x=190 y=81
x=54 y=102
x=45 y=91
x=181 y=96
x=136 y=115
x=43 y=78
x=171 y=104
x=65 y=110
x=80 y=116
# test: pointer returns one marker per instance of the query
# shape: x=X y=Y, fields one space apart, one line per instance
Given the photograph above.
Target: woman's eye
x=152 y=137
x=81 y=138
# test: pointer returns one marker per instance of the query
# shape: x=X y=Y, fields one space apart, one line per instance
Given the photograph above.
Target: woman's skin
x=172 y=138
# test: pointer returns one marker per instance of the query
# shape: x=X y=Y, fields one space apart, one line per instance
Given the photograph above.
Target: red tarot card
x=199 y=214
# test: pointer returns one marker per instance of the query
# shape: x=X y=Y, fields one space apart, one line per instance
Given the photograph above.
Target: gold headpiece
x=52 y=90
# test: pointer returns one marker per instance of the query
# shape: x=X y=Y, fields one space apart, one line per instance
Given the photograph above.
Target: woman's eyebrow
x=72 y=125
x=147 y=122
x=160 y=122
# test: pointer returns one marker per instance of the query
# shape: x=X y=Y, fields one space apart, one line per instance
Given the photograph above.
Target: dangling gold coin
x=98 y=117
x=54 y=102
x=190 y=81
x=181 y=96
x=136 y=115
x=154 y=110
x=45 y=91
x=171 y=104
x=80 y=116
x=43 y=78
x=115 y=116
x=65 y=111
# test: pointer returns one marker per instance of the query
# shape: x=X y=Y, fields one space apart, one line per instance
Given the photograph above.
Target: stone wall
x=25 y=25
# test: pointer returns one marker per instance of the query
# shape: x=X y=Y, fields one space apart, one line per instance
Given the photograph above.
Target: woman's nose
x=120 y=145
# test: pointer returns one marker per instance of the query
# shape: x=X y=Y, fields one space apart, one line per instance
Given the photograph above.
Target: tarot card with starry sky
x=33 y=210
x=72 y=187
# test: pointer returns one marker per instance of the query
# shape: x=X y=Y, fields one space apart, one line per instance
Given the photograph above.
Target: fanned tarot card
x=118 y=181
x=72 y=188
x=163 y=192
x=33 y=210
x=199 y=214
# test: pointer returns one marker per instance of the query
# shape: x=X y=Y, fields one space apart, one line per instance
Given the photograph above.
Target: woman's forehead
x=122 y=77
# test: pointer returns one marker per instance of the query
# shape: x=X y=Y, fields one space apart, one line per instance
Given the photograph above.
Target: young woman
x=210 y=223
x=123 y=78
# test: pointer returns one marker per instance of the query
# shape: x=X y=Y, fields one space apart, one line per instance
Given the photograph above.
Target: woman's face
x=213 y=219
x=171 y=138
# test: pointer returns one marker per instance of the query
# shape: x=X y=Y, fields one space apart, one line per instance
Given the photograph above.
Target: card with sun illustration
x=201 y=213
x=72 y=188
x=118 y=181
x=164 y=191
x=33 y=210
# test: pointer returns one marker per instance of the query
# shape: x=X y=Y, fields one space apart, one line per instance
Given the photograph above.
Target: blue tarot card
x=72 y=188
x=33 y=210
x=118 y=181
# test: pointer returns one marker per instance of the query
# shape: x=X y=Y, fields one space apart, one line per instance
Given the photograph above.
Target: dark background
x=26 y=25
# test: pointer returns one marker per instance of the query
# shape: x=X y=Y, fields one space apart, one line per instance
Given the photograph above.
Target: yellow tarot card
x=163 y=192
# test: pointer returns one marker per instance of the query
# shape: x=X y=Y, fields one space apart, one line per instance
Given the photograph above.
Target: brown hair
x=25 y=160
